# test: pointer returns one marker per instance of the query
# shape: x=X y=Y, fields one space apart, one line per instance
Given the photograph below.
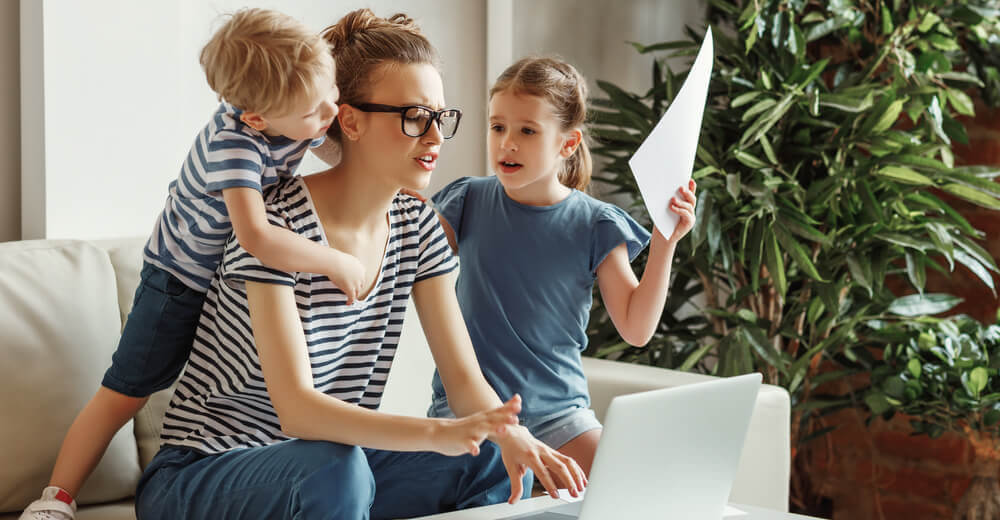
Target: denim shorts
x=555 y=429
x=157 y=338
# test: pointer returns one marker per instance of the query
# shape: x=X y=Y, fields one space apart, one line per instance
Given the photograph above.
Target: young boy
x=276 y=82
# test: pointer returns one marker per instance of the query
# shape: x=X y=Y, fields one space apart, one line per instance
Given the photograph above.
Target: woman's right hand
x=455 y=437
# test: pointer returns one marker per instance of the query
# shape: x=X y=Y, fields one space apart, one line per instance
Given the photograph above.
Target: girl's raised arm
x=635 y=306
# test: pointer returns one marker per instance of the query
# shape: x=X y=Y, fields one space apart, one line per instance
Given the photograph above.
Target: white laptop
x=666 y=454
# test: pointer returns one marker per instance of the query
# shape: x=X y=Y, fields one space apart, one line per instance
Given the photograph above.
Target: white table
x=500 y=511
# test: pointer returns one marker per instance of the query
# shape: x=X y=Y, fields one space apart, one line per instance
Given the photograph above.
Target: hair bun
x=362 y=21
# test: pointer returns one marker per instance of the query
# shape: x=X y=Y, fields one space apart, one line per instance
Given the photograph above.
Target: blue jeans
x=315 y=480
x=158 y=334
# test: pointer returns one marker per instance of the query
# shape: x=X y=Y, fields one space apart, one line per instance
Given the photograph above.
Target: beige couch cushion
x=59 y=323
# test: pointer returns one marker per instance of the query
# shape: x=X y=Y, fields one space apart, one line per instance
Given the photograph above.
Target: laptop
x=666 y=454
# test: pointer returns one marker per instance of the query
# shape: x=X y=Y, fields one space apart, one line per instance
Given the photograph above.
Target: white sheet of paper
x=664 y=161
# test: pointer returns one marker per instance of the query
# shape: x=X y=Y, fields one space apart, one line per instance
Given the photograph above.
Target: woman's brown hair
x=362 y=42
x=565 y=89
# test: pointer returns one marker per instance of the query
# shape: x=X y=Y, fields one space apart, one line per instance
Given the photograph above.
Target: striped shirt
x=191 y=231
x=221 y=402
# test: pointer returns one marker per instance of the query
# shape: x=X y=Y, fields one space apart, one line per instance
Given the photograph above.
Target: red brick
x=914 y=482
x=949 y=449
x=904 y=508
x=959 y=485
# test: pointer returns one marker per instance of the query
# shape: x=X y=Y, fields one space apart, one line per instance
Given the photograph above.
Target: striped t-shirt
x=221 y=402
x=190 y=233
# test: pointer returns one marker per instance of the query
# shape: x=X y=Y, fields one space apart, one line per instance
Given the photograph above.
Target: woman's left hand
x=521 y=451
x=683 y=206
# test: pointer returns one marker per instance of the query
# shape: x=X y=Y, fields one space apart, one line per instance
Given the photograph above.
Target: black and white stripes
x=221 y=402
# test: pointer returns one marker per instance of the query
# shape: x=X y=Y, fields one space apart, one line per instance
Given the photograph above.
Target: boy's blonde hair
x=564 y=88
x=264 y=61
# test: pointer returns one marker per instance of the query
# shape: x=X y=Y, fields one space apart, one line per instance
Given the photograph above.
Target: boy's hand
x=455 y=437
x=348 y=275
x=684 y=208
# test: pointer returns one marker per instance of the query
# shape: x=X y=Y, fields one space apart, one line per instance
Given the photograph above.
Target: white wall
x=10 y=124
x=106 y=58
x=119 y=97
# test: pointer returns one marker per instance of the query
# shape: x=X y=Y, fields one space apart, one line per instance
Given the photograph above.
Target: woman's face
x=399 y=159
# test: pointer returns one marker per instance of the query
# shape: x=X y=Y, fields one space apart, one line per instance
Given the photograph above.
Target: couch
x=62 y=305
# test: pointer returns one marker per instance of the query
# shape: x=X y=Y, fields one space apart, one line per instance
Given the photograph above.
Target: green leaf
x=775 y=264
x=916 y=271
x=749 y=160
x=877 y=403
x=972 y=195
x=744 y=98
x=961 y=102
x=903 y=240
x=904 y=175
x=664 y=46
x=977 y=269
x=846 y=103
x=733 y=185
x=758 y=107
x=923 y=304
x=861 y=272
x=695 y=357
x=889 y=117
x=797 y=252
x=978 y=379
x=976 y=251
x=913 y=367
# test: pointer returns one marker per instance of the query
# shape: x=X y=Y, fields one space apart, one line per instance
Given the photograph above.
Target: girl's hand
x=412 y=193
x=455 y=437
x=521 y=451
x=684 y=208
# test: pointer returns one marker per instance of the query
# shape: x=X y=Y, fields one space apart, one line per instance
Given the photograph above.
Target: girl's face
x=395 y=157
x=526 y=144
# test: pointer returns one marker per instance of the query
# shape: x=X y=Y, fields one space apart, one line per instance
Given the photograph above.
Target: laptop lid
x=671 y=453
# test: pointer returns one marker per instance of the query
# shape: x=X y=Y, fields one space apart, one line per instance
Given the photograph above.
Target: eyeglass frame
x=402 y=110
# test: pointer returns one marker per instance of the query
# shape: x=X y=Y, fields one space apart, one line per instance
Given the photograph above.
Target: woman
x=275 y=414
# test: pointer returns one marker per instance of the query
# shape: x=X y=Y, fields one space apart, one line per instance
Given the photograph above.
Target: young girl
x=533 y=243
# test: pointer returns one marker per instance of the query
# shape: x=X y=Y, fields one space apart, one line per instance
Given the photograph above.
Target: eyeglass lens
x=417 y=120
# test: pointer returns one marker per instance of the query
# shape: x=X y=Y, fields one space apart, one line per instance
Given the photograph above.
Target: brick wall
x=879 y=471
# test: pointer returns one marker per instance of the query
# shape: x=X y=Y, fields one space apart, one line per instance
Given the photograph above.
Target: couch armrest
x=763 y=474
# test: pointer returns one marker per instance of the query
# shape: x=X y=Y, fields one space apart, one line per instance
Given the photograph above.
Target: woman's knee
x=342 y=488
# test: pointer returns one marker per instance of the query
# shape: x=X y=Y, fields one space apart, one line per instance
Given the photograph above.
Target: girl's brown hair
x=565 y=89
x=363 y=42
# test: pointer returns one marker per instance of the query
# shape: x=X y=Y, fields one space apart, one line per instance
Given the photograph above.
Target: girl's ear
x=254 y=120
x=350 y=122
x=571 y=143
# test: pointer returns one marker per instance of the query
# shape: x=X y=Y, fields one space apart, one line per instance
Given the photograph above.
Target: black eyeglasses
x=416 y=120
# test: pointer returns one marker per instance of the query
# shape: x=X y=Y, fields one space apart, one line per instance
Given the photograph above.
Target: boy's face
x=308 y=118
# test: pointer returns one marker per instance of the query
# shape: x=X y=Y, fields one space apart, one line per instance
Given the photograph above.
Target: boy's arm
x=285 y=250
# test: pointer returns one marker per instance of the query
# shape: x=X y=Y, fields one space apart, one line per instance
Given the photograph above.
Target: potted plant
x=824 y=153
x=946 y=377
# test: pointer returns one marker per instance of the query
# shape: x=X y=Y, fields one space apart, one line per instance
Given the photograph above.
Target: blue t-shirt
x=526 y=286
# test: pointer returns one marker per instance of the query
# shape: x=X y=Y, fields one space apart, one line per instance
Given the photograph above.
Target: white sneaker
x=55 y=504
